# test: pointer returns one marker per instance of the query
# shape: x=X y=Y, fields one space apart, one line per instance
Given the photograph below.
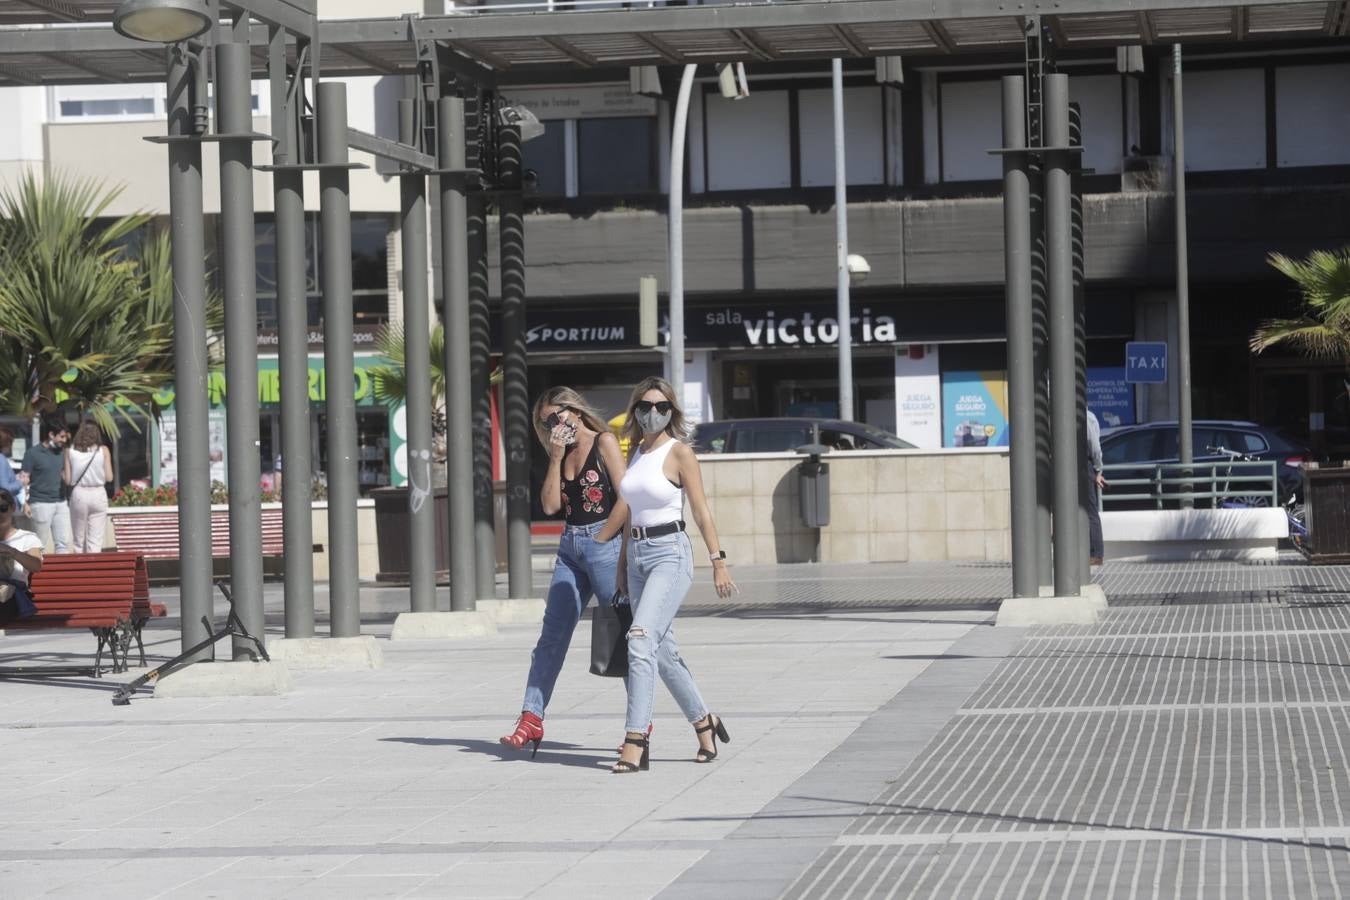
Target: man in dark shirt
x=46 y=503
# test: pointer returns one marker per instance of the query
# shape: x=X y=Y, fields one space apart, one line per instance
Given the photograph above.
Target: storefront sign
x=788 y=326
x=363 y=338
x=269 y=383
x=582 y=101
x=975 y=409
x=1110 y=397
x=918 y=396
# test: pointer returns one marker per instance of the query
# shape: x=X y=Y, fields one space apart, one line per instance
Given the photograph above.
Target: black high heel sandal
x=719 y=733
x=624 y=767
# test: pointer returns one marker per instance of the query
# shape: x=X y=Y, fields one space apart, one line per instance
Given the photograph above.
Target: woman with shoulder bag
x=657 y=567
x=584 y=468
x=88 y=467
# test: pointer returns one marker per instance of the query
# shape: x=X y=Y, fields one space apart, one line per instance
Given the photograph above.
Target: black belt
x=641 y=534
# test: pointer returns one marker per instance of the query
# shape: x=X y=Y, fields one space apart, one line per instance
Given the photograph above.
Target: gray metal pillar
x=1058 y=228
x=1186 y=437
x=1021 y=364
x=1040 y=336
x=417 y=361
x=344 y=584
x=234 y=120
x=189 y=349
x=1080 y=345
x=842 y=300
x=516 y=410
x=480 y=363
x=293 y=362
x=450 y=138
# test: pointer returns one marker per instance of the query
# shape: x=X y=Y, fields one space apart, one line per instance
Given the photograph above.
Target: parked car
x=787 y=434
x=1157 y=442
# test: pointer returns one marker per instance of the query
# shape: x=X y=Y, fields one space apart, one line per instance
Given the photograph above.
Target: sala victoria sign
x=805 y=328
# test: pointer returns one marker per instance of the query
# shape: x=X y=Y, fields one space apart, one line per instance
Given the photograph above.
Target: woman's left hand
x=722 y=581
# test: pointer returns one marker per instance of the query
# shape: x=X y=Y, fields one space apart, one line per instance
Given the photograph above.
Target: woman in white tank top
x=88 y=466
x=656 y=568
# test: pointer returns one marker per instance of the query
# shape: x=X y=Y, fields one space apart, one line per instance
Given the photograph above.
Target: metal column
x=450 y=128
x=344 y=584
x=417 y=364
x=842 y=300
x=189 y=347
x=1186 y=436
x=1058 y=228
x=480 y=363
x=675 y=222
x=1080 y=346
x=234 y=122
x=515 y=371
x=288 y=194
x=1021 y=364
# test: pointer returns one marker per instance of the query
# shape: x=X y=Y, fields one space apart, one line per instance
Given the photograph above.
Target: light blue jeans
x=584 y=568
x=660 y=572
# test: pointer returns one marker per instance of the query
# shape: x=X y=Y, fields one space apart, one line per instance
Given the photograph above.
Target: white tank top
x=651 y=497
x=89 y=462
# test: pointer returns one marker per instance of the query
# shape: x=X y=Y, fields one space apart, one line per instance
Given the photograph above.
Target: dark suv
x=1156 y=442
x=786 y=435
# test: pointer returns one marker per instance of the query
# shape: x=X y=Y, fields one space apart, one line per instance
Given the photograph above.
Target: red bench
x=155 y=535
x=108 y=593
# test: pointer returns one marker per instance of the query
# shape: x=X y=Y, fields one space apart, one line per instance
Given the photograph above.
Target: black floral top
x=590 y=497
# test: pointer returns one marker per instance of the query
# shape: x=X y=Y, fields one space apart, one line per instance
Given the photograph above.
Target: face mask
x=653 y=421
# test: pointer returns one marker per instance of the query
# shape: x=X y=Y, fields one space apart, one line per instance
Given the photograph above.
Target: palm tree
x=1322 y=331
x=86 y=303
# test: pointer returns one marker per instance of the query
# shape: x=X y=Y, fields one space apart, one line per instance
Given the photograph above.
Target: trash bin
x=813 y=482
x=1326 y=506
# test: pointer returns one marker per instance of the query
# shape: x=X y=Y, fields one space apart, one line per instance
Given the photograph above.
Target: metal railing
x=1207 y=485
x=498 y=7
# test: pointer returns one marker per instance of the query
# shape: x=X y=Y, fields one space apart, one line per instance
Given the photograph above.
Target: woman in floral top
x=584 y=465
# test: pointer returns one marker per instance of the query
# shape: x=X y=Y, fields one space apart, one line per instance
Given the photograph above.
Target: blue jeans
x=584 y=568
x=660 y=571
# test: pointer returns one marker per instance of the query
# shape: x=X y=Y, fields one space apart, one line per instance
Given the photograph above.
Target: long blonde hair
x=678 y=428
x=566 y=398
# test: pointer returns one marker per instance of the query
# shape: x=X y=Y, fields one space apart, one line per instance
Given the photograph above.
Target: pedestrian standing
x=656 y=567
x=46 y=505
x=584 y=467
x=88 y=468
x=8 y=480
x=1096 y=482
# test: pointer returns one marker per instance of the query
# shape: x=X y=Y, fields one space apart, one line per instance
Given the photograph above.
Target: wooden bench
x=108 y=593
x=155 y=534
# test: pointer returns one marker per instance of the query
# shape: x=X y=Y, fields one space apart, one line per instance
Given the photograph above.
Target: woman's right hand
x=621 y=579
x=557 y=442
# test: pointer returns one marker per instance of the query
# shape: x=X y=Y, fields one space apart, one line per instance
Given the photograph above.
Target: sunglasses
x=553 y=421
x=646 y=406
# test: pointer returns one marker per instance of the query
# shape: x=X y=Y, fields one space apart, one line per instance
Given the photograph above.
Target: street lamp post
x=843 y=301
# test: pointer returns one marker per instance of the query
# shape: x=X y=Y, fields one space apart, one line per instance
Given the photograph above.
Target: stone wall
x=885 y=506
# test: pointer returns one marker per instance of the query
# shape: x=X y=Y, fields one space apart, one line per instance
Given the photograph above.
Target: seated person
x=20 y=556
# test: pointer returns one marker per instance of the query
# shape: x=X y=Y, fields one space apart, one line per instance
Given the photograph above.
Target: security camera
x=731 y=81
x=858 y=268
x=528 y=123
x=529 y=180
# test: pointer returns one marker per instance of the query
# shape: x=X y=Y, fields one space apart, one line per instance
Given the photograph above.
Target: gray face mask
x=653 y=422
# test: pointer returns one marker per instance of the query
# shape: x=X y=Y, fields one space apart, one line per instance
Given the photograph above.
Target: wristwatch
x=719 y=555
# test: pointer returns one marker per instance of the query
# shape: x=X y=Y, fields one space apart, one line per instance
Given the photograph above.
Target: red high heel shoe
x=529 y=730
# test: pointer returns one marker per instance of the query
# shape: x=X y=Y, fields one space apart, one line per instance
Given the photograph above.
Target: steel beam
x=417 y=366
x=399 y=151
x=577 y=56
x=1058 y=230
x=451 y=152
x=234 y=116
x=344 y=582
x=189 y=353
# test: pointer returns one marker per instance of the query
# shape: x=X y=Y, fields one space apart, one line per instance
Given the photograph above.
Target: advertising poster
x=1110 y=396
x=975 y=409
x=918 y=396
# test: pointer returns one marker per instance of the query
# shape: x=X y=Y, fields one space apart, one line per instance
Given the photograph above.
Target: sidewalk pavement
x=886 y=742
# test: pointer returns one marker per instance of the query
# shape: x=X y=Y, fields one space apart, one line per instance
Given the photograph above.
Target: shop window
x=370 y=278
x=547 y=156
x=1099 y=101
x=972 y=123
x=1311 y=120
x=616 y=156
x=748 y=141
x=1225 y=119
x=864 y=134
x=123 y=106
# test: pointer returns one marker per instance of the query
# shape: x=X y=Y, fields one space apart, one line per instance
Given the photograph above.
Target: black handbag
x=609 y=637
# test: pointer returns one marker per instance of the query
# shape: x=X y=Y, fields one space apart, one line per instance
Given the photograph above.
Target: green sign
x=269 y=383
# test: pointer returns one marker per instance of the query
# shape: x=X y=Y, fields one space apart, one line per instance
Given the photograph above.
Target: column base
x=361 y=652
x=1083 y=609
x=225 y=679
x=520 y=611
x=451 y=625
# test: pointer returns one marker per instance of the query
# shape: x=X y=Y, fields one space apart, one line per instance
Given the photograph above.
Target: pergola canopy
x=71 y=41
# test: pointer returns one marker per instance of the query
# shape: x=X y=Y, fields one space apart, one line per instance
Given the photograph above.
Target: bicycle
x=1221 y=494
